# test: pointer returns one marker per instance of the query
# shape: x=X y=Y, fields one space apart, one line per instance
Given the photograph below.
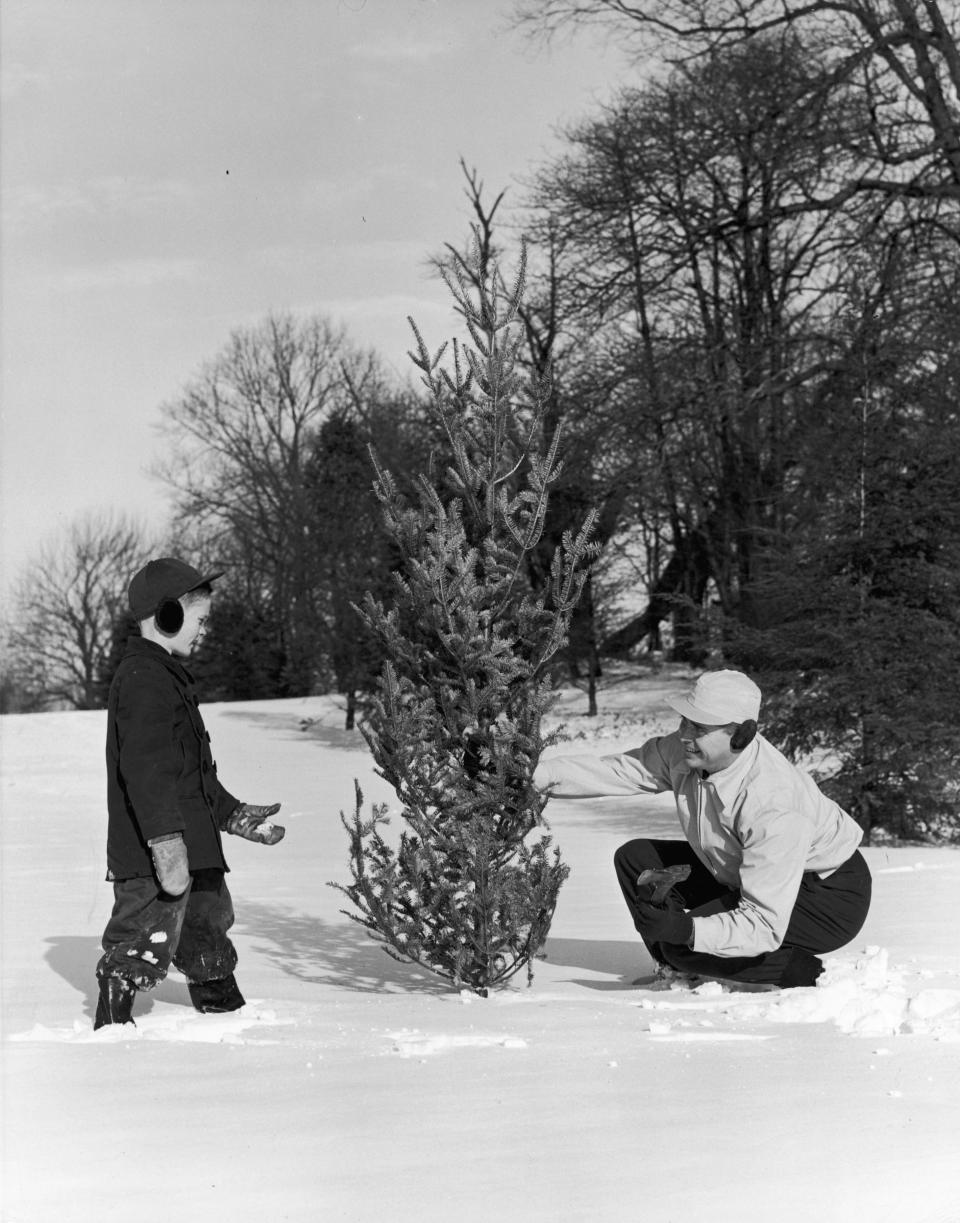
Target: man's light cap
x=719 y=697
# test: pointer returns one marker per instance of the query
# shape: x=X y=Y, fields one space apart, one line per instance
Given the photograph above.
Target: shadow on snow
x=343 y=956
x=74 y=958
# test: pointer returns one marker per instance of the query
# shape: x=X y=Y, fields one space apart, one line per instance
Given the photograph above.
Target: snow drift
x=352 y=1087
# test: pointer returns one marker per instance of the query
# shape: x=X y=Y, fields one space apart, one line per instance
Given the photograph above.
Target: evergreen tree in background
x=240 y=658
x=860 y=669
x=860 y=659
x=469 y=890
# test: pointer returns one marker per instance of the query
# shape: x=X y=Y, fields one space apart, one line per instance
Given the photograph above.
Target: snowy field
x=353 y=1088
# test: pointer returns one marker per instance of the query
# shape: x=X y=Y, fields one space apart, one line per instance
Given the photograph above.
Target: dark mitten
x=658 y=925
x=171 y=863
x=253 y=824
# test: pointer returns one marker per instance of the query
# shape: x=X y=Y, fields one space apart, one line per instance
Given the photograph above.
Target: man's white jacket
x=756 y=825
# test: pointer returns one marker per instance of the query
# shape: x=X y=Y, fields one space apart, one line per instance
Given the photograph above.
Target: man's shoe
x=216 y=997
x=665 y=977
x=115 y=1004
x=802 y=969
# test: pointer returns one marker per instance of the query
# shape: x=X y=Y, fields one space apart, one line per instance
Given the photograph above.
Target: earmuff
x=169 y=616
x=744 y=735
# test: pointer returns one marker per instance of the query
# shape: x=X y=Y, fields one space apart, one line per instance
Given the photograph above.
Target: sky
x=176 y=169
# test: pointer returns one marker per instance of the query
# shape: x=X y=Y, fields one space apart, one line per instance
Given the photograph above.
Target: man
x=167 y=809
x=770 y=875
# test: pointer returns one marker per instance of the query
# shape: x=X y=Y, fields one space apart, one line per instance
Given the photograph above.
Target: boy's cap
x=166 y=578
x=719 y=697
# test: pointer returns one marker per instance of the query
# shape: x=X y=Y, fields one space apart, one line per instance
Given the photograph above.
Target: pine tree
x=455 y=727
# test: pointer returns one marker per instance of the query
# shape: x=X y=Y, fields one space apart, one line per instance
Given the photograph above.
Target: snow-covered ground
x=353 y=1088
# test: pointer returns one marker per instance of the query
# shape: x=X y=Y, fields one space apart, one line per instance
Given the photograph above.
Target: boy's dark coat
x=161 y=776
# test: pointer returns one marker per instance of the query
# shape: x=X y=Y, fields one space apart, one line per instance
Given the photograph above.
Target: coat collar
x=149 y=649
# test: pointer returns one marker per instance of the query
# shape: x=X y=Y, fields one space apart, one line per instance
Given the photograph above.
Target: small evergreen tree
x=455 y=726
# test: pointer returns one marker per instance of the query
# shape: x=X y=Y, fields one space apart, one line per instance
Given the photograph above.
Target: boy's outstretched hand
x=253 y=824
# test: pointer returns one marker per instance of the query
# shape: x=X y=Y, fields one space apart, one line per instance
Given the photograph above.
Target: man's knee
x=635 y=856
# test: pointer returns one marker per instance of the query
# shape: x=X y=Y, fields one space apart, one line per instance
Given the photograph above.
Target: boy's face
x=195 y=613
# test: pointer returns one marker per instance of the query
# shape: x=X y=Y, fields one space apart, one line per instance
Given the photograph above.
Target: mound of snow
x=862 y=996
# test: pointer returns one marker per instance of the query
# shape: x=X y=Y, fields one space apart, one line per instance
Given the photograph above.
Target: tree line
x=743 y=282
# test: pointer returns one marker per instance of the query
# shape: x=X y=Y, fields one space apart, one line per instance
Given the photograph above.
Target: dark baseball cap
x=166 y=578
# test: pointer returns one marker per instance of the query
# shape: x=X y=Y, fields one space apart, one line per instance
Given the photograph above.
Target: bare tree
x=901 y=55
x=242 y=433
x=66 y=608
x=708 y=301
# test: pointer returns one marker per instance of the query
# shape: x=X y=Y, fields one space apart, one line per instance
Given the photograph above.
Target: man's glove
x=658 y=925
x=253 y=824
x=170 y=861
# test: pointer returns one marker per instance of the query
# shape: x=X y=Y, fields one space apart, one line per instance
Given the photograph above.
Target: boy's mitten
x=253 y=824
x=171 y=863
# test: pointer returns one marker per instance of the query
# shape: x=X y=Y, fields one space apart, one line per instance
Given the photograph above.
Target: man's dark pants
x=149 y=930
x=828 y=912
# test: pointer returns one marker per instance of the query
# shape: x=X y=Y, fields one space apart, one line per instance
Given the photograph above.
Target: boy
x=167 y=810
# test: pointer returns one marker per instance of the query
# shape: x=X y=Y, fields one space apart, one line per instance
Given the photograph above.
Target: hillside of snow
x=353 y=1088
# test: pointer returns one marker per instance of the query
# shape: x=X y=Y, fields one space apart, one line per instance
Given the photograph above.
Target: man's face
x=706 y=748
x=195 y=613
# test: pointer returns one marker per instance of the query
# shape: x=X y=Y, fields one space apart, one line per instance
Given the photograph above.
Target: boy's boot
x=216 y=997
x=115 y=1003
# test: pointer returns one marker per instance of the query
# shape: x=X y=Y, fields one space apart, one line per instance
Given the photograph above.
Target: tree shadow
x=344 y=956
x=624 y=961
x=340 y=955
x=333 y=953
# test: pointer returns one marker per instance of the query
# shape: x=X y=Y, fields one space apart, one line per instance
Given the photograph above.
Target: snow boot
x=115 y=1003
x=801 y=969
x=216 y=997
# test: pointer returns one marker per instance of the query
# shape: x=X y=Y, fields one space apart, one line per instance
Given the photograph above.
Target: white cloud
x=410 y=51
x=127 y=274
x=381 y=253
x=108 y=196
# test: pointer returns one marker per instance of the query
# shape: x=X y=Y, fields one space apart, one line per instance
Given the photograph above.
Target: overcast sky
x=175 y=169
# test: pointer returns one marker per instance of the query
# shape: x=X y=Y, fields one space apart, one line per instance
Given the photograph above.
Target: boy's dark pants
x=149 y=930
x=828 y=912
